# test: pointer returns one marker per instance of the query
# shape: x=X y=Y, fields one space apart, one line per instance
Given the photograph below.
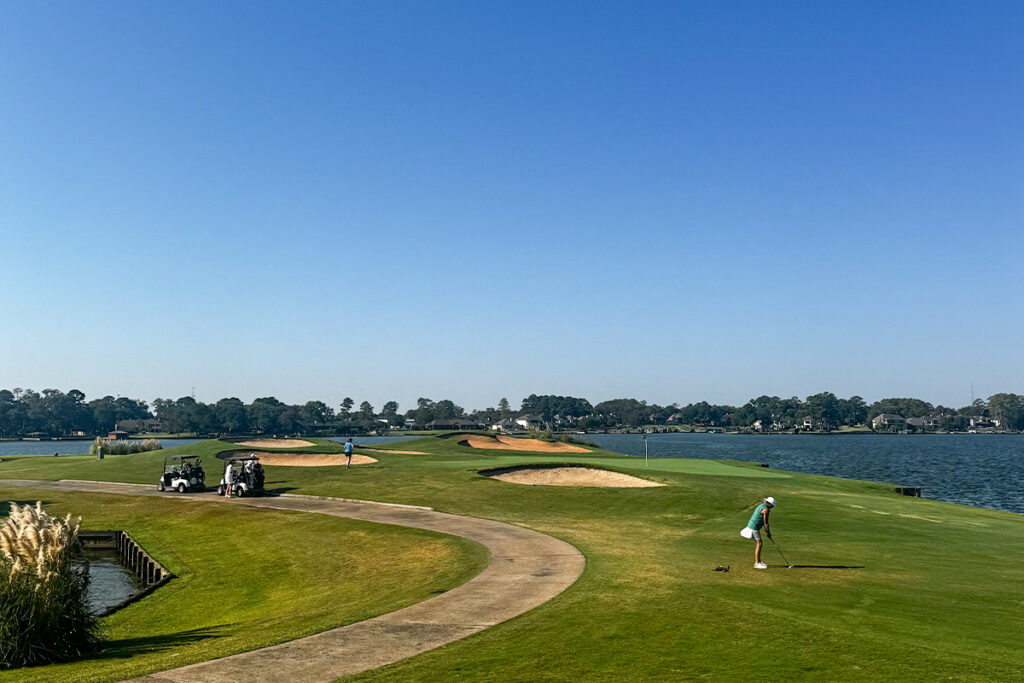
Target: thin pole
x=645 y=451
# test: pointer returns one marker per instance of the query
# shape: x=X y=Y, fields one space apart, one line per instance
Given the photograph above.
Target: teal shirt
x=757 y=519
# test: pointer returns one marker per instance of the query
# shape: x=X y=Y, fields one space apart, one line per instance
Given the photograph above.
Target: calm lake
x=983 y=470
x=68 y=447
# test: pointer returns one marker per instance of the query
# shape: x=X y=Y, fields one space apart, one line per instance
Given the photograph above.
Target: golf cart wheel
x=240 y=492
x=182 y=487
x=220 y=490
x=160 y=487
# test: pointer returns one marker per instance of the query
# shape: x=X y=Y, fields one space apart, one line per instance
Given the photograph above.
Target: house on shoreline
x=887 y=422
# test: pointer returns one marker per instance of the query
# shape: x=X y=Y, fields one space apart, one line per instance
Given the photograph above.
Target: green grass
x=247 y=578
x=938 y=593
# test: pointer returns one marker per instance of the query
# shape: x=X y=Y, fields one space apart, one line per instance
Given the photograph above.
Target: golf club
x=788 y=565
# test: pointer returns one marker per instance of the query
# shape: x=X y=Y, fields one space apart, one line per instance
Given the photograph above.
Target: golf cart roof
x=242 y=458
x=180 y=458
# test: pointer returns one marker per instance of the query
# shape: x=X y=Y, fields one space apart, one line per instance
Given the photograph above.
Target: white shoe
x=760 y=565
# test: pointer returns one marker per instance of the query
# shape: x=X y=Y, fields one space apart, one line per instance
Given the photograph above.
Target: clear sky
x=468 y=200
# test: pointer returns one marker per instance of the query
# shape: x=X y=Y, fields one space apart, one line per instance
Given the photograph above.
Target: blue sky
x=387 y=200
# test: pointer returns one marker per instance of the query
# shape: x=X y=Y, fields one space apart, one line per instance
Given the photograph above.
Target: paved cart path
x=526 y=569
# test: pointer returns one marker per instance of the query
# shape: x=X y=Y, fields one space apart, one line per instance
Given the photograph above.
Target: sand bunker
x=506 y=443
x=568 y=476
x=311 y=459
x=276 y=443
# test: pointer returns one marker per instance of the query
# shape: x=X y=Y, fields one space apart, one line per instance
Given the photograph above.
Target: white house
x=530 y=421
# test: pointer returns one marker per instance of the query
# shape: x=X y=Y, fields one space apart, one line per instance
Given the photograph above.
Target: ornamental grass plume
x=123 y=447
x=44 y=614
x=34 y=542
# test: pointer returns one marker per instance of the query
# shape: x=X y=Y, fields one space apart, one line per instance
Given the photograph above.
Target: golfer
x=229 y=479
x=753 y=528
x=348 y=453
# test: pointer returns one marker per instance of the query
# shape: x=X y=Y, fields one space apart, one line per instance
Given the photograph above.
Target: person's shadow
x=824 y=566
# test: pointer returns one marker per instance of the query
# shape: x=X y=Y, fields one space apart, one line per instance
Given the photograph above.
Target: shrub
x=545 y=435
x=122 y=447
x=44 y=615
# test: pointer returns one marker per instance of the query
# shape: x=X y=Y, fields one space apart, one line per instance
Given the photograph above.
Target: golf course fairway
x=885 y=586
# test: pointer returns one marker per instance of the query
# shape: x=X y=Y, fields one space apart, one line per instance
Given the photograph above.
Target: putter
x=774 y=545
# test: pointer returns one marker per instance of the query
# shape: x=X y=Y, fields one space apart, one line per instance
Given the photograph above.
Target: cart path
x=526 y=569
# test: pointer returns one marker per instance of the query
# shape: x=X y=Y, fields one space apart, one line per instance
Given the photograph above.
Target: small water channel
x=110 y=582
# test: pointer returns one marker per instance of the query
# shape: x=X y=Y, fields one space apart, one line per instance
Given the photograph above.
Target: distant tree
x=8 y=408
x=231 y=416
x=978 y=408
x=287 y=420
x=853 y=410
x=703 y=414
x=504 y=409
x=314 y=414
x=104 y=413
x=823 y=408
x=548 y=406
x=263 y=414
x=423 y=413
x=904 y=407
x=486 y=416
x=1008 y=409
x=626 y=412
x=447 y=410
x=390 y=409
x=346 y=406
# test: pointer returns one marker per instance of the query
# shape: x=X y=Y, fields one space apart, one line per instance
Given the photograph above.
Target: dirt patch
x=568 y=476
x=506 y=443
x=276 y=443
x=311 y=459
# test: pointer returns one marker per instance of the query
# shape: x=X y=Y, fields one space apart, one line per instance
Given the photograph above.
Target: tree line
x=24 y=412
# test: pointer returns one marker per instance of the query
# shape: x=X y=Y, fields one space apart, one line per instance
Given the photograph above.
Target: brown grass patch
x=505 y=443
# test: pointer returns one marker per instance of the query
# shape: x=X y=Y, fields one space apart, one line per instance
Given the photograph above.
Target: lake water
x=68 y=447
x=983 y=470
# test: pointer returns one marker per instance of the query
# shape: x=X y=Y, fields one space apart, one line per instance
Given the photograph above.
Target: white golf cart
x=182 y=473
x=247 y=476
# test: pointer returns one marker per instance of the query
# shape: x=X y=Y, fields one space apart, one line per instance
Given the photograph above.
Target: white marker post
x=645 y=451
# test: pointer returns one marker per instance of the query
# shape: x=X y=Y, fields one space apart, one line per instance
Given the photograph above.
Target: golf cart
x=182 y=473
x=246 y=476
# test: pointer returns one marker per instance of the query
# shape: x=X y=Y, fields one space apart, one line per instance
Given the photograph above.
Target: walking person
x=348 y=453
x=759 y=520
x=229 y=480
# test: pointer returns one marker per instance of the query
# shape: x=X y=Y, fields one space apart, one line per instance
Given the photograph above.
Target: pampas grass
x=123 y=447
x=44 y=616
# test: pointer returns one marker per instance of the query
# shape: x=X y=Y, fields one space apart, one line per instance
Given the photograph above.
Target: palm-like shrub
x=44 y=616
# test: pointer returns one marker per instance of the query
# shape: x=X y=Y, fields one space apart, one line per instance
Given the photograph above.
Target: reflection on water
x=110 y=582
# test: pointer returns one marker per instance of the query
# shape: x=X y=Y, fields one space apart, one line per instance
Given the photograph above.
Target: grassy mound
x=935 y=590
